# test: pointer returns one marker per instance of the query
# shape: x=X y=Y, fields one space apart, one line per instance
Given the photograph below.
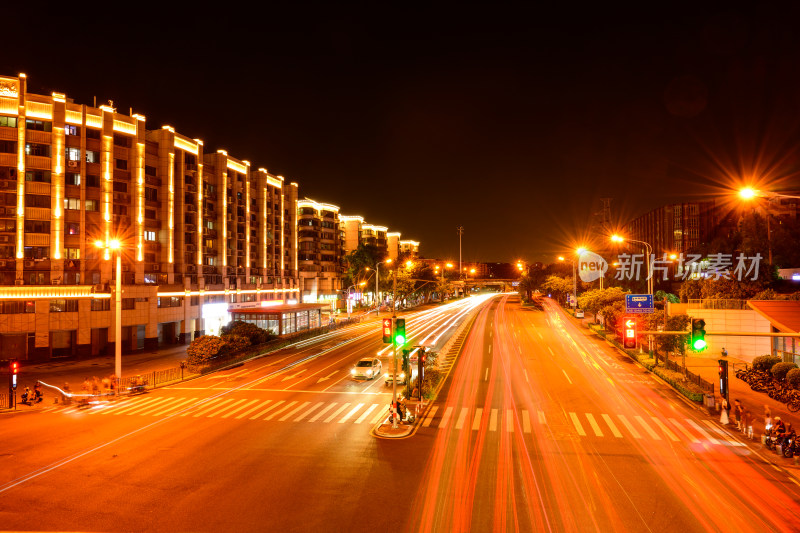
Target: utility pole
x=394 y=348
x=460 y=230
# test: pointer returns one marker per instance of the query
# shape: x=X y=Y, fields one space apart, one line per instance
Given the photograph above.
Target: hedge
x=779 y=370
x=764 y=363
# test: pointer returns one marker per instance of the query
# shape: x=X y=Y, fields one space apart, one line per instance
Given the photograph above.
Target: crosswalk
x=584 y=425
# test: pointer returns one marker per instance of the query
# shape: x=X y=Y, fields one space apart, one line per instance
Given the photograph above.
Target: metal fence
x=669 y=364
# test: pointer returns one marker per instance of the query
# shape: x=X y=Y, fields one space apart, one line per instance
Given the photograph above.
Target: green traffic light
x=400 y=339
x=699 y=344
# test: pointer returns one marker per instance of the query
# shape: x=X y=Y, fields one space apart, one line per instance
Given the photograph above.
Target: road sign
x=638 y=303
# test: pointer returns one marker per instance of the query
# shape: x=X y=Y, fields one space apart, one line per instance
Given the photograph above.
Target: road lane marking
x=281 y=410
x=631 y=429
x=229 y=413
x=593 y=423
x=577 y=424
x=267 y=410
x=234 y=404
x=317 y=406
x=124 y=407
x=551 y=350
x=160 y=401
x=493 y=420
x=540 y=336
x=259 y=406
x=526 y=422
x=610 y=424
x=526 y=376
x=461 y=417
x=566 y=376
x=702 y=431
x=647 y=428
x=336 y=413
x=211 y=408
x=725 y=434
x=320 y=380
x=429 y=416
x=366 y=413
x=182 y=405
x=476 y=422
x=665 y=429
x=446 y=417
x=353 y=411
x=319 y=415
x=157 y=410
x=293 y=412
x=490 y=349
x=379 y=416
x=542 y=419
x=486 y=375
x=510 y=420
x=104 y=410
x=681 y=428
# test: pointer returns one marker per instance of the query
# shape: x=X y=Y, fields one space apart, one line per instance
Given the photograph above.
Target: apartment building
x=409 y=249
x=200 y=232
x=675 y=228
x=321 y=249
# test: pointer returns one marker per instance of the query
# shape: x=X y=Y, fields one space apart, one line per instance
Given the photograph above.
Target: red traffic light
x=13 y=367
x=629 y=333
x=387 y=330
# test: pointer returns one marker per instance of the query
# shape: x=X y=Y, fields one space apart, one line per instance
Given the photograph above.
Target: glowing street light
x=115 y=245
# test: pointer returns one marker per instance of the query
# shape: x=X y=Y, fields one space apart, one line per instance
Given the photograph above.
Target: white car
x=579 y=313
x=367 y=368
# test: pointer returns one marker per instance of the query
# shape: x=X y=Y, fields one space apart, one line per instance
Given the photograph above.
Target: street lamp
x=108 y=246
x=648 y=250
x=377 y=272
x=749 y=193
x=578 y=252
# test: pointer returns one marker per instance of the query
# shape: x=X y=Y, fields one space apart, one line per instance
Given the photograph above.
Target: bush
x=254 y=334
x=764 y=363
x=204 y=349
x=779 y=370
x=793 y=377
x=235 y=342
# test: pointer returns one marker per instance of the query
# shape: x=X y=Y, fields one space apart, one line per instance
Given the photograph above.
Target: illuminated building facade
x=321 y=248
x=201 y=231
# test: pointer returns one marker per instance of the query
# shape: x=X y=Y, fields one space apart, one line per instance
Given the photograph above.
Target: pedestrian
x=737 y=413
x=87 y=387
x=723 y=417
x=95 y=385
x=724 y=352
x=745 y=421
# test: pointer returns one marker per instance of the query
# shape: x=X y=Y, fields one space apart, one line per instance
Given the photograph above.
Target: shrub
x=793 y=377
x=235 y=342
x=204 y=349
x=763 y=363
x=254 y=334
x=779 y=370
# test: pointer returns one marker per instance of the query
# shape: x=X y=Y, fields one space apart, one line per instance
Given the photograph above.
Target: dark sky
x=512 y=122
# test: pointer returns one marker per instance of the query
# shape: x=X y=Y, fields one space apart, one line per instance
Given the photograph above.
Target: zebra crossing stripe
x=510 y=420
x=318 y=415
x=136 y=406
x=680 y=427
x=647 y=428
x=230 y=405
x=353 y=411
x=255 y=407
x=366 y=413
x=493 y=420
x=725 y=435
x=160 y=409
x=702 y=431
x=526 y=422
x=577 y=424
x=631 y=429
x=336 y=413
x=381 y=414
x=445 y=418
x=429 y=417
x=229 y=413
x=161 y=403
x=461 y=417
x=216 y=404
x=665 y=429
x=593 y=423
x=613 y=426
x=299 y=418
x=267 y=410
x=107 y=409
x=476 y=422
x=125 y=406
x=279 y=411
x=293 y=412
x=542 y=419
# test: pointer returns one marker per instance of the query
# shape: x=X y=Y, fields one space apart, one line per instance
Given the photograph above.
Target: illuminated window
x=8 y=122
x=72 y=178
x=73 y=228
x=72 y=253
x=91 y=205
x=72 y=203
x=92 y=156
x=38 y=125
x=42 y=176
x=72 y=130
x=64 y=306
x=73 y=154
x=150 y=236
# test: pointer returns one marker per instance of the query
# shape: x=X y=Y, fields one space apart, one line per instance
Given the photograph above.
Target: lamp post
x=578 y=252
x=649 y=251
x=377 y=275
x=748 y=193
x=108 y=246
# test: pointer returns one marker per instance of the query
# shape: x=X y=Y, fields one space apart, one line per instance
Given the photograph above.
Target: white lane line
x=566 y=376
x=130 y=405
x=182 y=405
x=510 y=420
x=577 y=424
x=293 y=412
x=703 y=432
x=381 y=414
x=281 y=410
x=683 y=430
x=665 y=429
x=234 y=404
x=134 y=410
x=259 y=406
x=319 y=415
x=493 y=420
x=267 y=410
x=542 y=419
x=243 y=406
x=526 y=376
x=429 y=417
x=476 y=422
x=540 y=336
x=366 y=413
x=486 y=375
x=353 y=411
x=595 y=427
x=647 y=428
x=613 y=426
x=636 y=434
x=446 y=417
x=103 y=411
x=461 y=417
x=526 y=421
x=157 y=409
x=725 y=435
x=317 y=406
x=490 y=349
x=549 y=348
x=336 y=413
x=209 y=406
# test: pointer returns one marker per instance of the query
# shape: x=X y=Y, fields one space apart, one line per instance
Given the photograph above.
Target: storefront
x=282 y=319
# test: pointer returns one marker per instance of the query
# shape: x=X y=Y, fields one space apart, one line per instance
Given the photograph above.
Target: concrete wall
x=734 y=320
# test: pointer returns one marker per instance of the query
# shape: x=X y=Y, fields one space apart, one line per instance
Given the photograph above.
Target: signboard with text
x=638 y=303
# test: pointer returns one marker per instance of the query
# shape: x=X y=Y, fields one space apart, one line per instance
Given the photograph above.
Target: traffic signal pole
x=394 y=348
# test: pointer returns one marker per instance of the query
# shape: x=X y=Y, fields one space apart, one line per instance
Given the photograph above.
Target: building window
x=121 y=140
x=150 y=278
x=72 y=253
x=149 y=235
x=120 y=186
x=41 y=150
x=92 y=156
x=8 y=147
x=36 y=252
x=170 y=301
x=72 y=130
x=92 y=133
x=91 y=205
x=42 y=176
x=63 y=306
x=38 y=125
x=8 y=122
x=151 y=194
x=37 y=200
x=101 y=304
x=120 y=210
x=17 y=308
x=37 y=226
x=149 y=171
x=72 y=178
x=73 y=154
x=92 y=181
x=128 y=303
x=73 y=204
x=121 y=164
x=194 y=300
x=150 y=214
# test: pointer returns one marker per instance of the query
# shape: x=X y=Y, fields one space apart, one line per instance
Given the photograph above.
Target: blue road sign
x=638 y=303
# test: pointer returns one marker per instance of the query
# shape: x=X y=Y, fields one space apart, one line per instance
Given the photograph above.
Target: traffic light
x=406 y=368
x=629 y=333
x=698 y=340
x=723 y=378
x=387 y=330
x=421 y=370
x=400 y=331
x=13 y=370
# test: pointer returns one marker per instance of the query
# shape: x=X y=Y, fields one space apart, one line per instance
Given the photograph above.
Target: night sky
x=512 y=122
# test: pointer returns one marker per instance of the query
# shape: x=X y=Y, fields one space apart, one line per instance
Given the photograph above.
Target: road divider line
x=702 y=431
x=429 y=416
x=577 y=423
x=551 y=351
x=542 y=419
x=267 y=410
x=526 y=375
x=476 y=421
x=321 y=413
x=281 y=410
x=461 y=417
x=259 y=406
x=566 y=376
x=510 y=420
x=493 y=420
x=234 y=404
x=610 y=424
x=314 y=408
x=540 y=336
x=647 y=428
x=665 y=429
x=294 y=412
x=366 y=413
x=446 y=417
x=486 y=375
x=629 y=426
x=595 y=427
x=526 y=422
x=336 y=413
x=353 y=411
x=229 y=413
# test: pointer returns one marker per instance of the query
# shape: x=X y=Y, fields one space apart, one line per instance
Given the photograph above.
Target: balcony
x=152 y=180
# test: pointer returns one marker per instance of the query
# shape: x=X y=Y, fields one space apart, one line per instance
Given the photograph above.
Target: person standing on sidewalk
x=723 y=417
x=737 y=413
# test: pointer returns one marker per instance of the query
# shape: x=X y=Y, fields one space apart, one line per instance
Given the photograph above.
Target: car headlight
x=402 y=375
x=369 y=372
x=353 y=371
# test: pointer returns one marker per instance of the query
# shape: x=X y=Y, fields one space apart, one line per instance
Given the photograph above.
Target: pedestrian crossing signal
x=387 y=330
x=629 y=333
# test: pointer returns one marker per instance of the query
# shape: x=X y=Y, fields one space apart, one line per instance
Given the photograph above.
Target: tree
x=611 y=314
x=558 y=286
x=365 y=257
x=667 y=343
x=204 y=349
x=594 y=300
